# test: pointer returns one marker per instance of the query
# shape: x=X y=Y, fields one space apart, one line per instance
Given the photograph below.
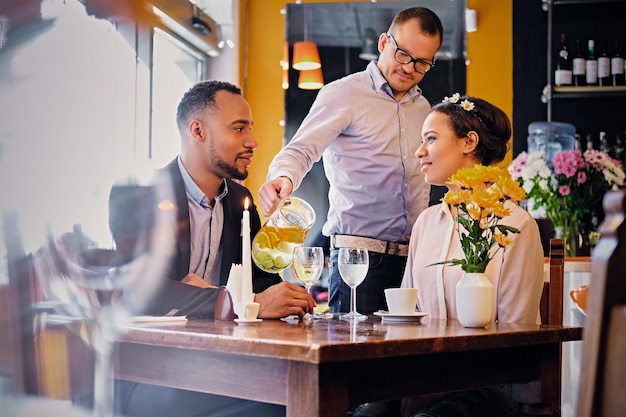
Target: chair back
x=18 y=327
x=603 y=376
x=551 y=306
x=38 y=356
x=534 y=397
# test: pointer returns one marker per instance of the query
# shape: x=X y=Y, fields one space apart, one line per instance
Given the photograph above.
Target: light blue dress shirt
x=206 y=224
x=368 y=141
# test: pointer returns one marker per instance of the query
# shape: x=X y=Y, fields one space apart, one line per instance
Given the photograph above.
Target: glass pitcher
x=286 y=228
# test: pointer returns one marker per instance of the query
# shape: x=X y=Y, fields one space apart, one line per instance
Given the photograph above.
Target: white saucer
x=387 y=316
x=253 y=321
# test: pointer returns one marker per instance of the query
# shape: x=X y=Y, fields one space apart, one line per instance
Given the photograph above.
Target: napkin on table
x=233 y=285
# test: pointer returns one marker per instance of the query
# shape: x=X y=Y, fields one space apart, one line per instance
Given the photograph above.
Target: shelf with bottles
x=594 y=68
x=564 y=2
x=561 y=92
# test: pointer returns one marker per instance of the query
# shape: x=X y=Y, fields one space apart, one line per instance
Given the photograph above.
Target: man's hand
x=272 y=192
x=196 y=281
x=284 y=299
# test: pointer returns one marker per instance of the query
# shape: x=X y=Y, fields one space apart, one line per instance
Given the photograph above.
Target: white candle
x=246 y=258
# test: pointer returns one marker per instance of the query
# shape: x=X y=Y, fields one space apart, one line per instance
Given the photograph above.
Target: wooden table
x=321 y=368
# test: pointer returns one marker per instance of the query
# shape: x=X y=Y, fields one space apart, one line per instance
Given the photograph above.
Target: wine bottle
x=604 y=65
x=578 y=66
x=591 y=64
x=620 y=151
x=589 y=142
x=604 y=144
x=617 y=65
x=563 y=72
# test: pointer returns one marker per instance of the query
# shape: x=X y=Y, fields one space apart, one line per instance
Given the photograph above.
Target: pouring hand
x=272 y=192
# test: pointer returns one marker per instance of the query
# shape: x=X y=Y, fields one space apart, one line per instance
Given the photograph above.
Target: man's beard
x=227 y=170
x=230 y=171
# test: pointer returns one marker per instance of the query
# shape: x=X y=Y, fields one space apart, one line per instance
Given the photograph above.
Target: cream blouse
x=516 y=272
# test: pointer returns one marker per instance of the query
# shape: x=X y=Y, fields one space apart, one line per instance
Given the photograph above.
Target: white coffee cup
x=401 y=300
x=247 y=311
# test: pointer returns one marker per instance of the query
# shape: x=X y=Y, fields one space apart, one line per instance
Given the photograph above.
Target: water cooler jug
x=551 y=138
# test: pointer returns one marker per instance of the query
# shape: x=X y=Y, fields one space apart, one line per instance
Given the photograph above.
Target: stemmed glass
x=308 y=263
x=104 y=256
x=353 y=267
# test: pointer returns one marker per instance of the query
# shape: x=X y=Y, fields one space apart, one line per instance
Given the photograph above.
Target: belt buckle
x=394 y=246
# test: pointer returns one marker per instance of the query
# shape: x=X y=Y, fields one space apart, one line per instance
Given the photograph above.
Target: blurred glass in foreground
x=67 y=134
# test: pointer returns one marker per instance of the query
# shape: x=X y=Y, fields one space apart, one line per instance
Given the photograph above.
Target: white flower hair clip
x=465 y=104
x=454 y=99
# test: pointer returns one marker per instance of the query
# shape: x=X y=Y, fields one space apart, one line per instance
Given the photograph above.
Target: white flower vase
x=474 y=299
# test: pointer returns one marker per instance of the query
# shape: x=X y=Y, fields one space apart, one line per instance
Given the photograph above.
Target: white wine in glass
x=308 y=263
x=353 y=267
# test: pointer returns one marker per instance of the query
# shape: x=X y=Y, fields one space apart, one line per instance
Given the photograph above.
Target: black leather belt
x=372 y=245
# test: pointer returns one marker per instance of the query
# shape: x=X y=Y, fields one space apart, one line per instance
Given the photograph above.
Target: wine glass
x=105 y=252
x=353 y=267
x=308 y=263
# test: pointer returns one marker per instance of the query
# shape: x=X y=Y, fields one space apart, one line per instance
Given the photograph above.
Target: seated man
x=217 y=144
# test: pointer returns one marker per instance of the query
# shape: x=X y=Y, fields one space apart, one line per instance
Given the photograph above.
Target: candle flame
x=245 y=205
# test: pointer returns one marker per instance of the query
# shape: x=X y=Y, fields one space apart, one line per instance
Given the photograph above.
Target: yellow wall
x=489 y=75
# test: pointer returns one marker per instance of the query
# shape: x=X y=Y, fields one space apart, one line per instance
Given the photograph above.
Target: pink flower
x=568 y=163
x=595 y=158
x=517 y=166
x=575 y=181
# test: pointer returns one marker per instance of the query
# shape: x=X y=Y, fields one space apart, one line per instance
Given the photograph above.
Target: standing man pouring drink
x=367 y=127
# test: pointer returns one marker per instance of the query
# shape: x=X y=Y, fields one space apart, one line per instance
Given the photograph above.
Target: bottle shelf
x=561 y=2
x=601 y=97
x=588 y=92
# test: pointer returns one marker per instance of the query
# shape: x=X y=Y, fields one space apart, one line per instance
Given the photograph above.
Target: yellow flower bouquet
x=477 y=202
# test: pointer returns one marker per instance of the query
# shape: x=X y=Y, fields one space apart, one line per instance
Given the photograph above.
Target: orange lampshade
x=285 y=79
x=311 y=79
x=306 y=56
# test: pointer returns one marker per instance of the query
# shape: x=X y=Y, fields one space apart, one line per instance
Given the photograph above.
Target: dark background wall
x=530 y=74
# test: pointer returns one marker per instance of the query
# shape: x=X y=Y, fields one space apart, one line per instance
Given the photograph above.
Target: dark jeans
x=385 y=271
x=485 y=402
x=144 y=400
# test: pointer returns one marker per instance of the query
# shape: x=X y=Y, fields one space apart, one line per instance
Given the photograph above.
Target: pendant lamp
x=311 y=79
x=305 y=53
x=369 y=50
x=306 y=56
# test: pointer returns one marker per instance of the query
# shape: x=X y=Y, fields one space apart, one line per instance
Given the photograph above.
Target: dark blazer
x=128 y=220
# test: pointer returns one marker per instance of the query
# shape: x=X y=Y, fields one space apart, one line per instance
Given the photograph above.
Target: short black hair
x=201 y=97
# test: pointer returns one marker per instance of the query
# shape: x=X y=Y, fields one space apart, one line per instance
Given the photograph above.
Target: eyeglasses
x=403 y=57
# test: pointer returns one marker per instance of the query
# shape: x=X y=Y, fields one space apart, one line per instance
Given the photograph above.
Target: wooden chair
x=536 y=397
x=38 y=358
x=551 y=307
x=603 y=377
x=18 y=360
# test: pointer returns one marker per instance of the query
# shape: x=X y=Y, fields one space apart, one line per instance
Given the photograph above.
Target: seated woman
x=457 y=135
